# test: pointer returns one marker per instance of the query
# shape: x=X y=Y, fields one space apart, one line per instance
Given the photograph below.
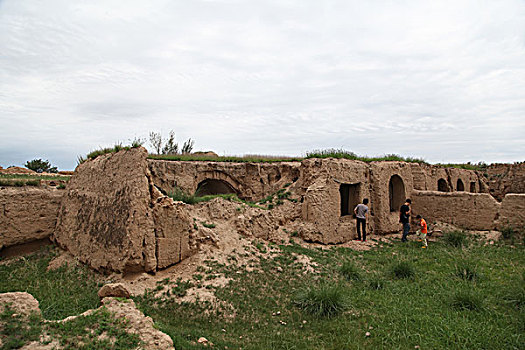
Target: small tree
x=170 y=146
x=156 y=141
x=41 y=166
x=188 y=146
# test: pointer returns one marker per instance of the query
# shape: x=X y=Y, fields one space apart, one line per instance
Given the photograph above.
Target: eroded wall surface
x=506 y=178
x=105 y=217
x=251 y=181
x=512 y=211
x=474 y=211
x=27 y=214
x=321 y=182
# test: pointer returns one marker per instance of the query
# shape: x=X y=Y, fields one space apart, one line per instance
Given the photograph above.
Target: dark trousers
x=406 y=229
x=361 y=223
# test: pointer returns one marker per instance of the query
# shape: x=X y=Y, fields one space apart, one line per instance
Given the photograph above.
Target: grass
x=101 y=151
x=272 y=303
x=344 y=154
x=62 y=292
x=326 y=300
x=467 y=271
x=228 y=159
x=99 y=330
x=27 y=177
x=19 y=183
x=178 y=194
x=402 y=269
x=16 y=330
x=467 y=300
x=456 y=239
x=350 y=271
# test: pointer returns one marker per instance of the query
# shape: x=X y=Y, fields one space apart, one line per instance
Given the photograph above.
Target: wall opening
x=473 y=187
x=349 y=194
x=442 y=185
x=460 y=186
x=214 y=186
x=396 y=192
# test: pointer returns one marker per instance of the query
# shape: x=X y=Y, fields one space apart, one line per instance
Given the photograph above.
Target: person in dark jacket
x=404 y=218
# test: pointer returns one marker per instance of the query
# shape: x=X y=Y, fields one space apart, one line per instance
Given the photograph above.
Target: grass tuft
x=456 y=239
x=376 y=283
x=467 y=300
x=403 y=269
x=467 y=270
x=324 y=301
x=350 y=271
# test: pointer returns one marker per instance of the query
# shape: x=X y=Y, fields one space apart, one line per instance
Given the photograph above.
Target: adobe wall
x=506 y=178
x=251 y=181
x=113 y=219
x=474 y=211
x=320 y=181
x=512 y=212
x=27 y=214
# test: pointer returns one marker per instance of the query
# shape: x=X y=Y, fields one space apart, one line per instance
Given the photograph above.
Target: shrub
x=467 y=271
x=41 y=166
x=507 y=232
x=403 y=269
x=467 y=300
x=456 y=239
x=326 y=300
x=350 y=271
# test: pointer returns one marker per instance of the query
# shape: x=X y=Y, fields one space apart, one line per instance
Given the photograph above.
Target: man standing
x=404 y=218
x=361 y=212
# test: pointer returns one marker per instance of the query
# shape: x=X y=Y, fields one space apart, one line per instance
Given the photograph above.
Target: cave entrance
x=460 y=186
x=349 y=194
x=442 y=185
x=473 y=187
x=213 y=187
x=396 y=192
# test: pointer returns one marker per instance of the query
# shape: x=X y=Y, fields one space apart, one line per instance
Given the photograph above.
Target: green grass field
x=405 y=297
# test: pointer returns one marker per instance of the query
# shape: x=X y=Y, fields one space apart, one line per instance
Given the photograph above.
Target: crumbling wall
x=512 y=211
x=27 y=214
x=251 y=181
x=321 y=207
x=506 y=178
x=386 y=216
x=474 y=211
x=113 y=219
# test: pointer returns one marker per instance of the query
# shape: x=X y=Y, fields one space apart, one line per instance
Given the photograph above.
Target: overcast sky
x=441 y=80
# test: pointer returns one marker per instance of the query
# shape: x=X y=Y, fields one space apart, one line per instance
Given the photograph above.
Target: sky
x=439 y=80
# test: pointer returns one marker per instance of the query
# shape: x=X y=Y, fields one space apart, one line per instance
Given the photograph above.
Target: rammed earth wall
x=27 y=214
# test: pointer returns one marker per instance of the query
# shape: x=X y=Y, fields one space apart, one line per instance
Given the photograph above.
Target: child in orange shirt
x=422 y=232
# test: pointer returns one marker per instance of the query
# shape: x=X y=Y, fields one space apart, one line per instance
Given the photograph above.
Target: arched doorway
x=460 y=186
x=473 y=187
x=214 y=186
x=442 y=185
x=396 y=192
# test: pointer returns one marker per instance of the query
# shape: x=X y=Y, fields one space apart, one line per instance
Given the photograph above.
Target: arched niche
x=460 y=186
x=396 y=192
x=214 y=186
x=442 y=185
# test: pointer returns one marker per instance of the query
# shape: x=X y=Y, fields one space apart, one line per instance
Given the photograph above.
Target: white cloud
x=440 y=80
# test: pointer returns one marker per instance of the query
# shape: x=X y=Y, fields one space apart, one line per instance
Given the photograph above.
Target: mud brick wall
x=512 y=211
x=27 y=214
x=474 y=211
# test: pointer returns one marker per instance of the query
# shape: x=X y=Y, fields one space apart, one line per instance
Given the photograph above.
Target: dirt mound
x=24 y=304
x=17 y=170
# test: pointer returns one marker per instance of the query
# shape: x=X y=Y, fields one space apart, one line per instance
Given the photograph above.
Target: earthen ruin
x=115 y=213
